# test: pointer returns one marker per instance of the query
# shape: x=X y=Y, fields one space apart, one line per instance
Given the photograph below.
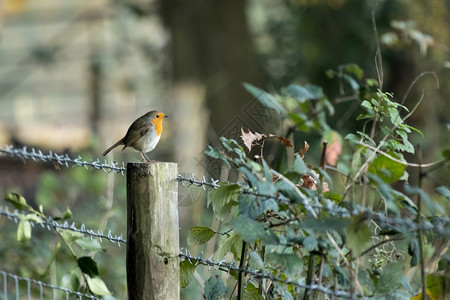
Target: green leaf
x=310 y=243
x=223 y=198
x=385 y=168
x=252 y=295
x=67 y=214
x=17 y=200
x=199 y=235
x=288 y=261
x=431 y=206
x=187 y=270
x=214 y=288
x=413 y=250
x=299 y=165
x=51 y=259
x=97 y=286
x=355 y=70
x=325 y=224
x=265 y=98
x=444 y=191
x=437 y=286
x=24 y=231
x=358 y=236
x=89 y=245
x=71 y=281
x=232 y=244
x=255 y=260
x=88 y=266
x=367 y=104
x=390 y=278
x=248 y=229
x=352 y=82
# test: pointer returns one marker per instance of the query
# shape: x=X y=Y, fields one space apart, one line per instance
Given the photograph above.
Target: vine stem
x=419 y=233
x=240 y=295
x=309 y=275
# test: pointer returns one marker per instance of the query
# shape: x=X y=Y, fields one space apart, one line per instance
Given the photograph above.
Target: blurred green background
x=75 y=74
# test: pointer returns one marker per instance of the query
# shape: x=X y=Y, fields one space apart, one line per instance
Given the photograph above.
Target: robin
x=143 y=134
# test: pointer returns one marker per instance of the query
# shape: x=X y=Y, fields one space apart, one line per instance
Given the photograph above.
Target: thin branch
x=401 y=161
x=378 y=245
x=415 y=81
x=378 y=58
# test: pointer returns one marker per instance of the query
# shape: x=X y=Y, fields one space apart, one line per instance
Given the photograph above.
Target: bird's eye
x=157 y=116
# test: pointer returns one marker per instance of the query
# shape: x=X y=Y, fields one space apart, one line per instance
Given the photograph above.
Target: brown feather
x=119 y=142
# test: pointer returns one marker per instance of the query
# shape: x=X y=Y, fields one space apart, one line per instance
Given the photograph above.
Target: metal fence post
x=152 y=230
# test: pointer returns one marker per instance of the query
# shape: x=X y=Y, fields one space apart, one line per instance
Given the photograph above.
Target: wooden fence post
x=152 y=231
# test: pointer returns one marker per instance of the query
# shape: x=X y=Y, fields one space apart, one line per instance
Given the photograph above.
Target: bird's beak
x=166 y=116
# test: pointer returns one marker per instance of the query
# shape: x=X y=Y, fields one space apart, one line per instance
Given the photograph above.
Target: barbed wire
x=57 y=226
x=228 y=267
x=62 y=159
x=191 y=181
x=41 y=285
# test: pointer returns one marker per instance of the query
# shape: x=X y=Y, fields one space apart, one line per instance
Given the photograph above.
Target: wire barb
x=228 y=267
x=191 y=181
x=62 y=159
x=55 y=225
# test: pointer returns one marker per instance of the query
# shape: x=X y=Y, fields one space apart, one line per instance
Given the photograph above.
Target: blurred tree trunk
x=212 y=55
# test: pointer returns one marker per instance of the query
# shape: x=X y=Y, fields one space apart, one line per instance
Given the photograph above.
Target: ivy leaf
x=199 y=235
x=390 y=278
x=97 y=286
x=17 y=200
x=248 y=229
x=187 y=270
x=214 y=288
x=88 y=266
x=265 y=98
x=288 y=261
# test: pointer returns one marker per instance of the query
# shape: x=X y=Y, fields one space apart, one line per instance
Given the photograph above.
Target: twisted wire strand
x=57 y=226
x=228 y=267
x=46 y=285
x=62 y=159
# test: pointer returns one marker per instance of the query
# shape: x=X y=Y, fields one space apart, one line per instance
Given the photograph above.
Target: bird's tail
x=120 y=142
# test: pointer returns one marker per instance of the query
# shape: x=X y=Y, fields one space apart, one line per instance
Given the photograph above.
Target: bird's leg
x=144 y=157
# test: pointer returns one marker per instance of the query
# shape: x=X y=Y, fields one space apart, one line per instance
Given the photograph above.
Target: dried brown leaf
x=303 y=151
x=249 y=137
x=286 y=142
x=309 y=182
